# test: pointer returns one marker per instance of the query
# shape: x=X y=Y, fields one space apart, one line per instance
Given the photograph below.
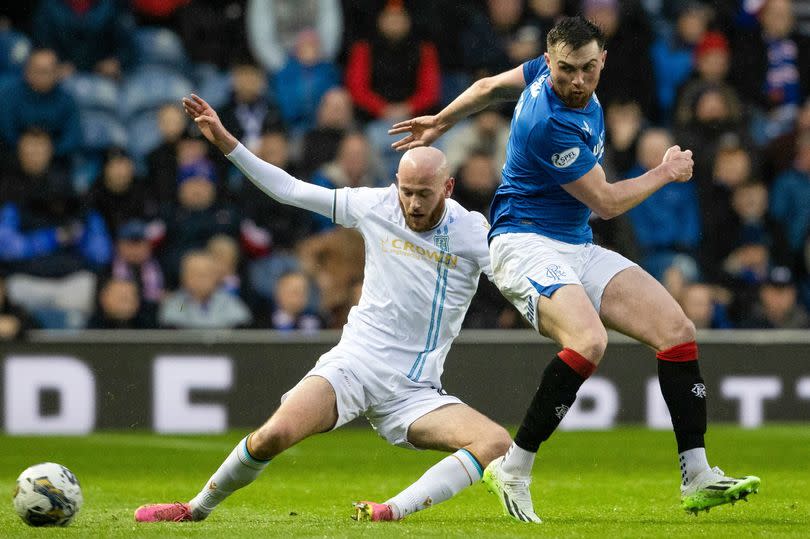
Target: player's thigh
x=537 y=274
x=569 y=318
x=457 y=426
x=309 y=408
x=637 y=305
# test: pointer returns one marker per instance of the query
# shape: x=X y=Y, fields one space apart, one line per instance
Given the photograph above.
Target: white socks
x=238 y=469
x=439 y=483
x=692 y=462
x=518 y=461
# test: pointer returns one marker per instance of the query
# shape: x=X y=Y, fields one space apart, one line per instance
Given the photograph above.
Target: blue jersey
x=549 y=145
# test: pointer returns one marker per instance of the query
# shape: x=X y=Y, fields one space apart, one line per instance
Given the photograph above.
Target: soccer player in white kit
x=424 y=255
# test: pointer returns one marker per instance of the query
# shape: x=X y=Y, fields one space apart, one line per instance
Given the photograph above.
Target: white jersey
x=417 y=285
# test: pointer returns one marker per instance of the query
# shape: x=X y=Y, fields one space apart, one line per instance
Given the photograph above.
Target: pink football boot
x=163 y=512
x=370 y=511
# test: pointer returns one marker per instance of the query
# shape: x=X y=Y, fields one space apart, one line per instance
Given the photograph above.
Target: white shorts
x=526 y=266
x=386 y=397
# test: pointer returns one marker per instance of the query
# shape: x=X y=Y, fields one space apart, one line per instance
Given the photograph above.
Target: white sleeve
x=279 y=185
x=352 y=203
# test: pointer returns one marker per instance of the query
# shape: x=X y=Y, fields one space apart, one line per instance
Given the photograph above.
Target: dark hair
x=576 y=32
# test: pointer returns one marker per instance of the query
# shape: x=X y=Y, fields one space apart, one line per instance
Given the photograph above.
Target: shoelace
x=170 y=511
x=519 y=489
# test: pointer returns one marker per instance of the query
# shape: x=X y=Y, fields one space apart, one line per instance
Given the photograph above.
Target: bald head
x=424 y=162
x=424 y=183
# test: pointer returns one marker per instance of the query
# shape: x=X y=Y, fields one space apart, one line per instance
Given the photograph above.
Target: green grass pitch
x=622 y=483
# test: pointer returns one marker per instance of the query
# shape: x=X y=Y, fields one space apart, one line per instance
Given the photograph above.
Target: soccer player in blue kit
x=569 y=289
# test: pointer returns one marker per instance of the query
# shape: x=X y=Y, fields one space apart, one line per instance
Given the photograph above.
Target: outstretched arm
x=272 y=180
x=608 y=200
x=423 y=130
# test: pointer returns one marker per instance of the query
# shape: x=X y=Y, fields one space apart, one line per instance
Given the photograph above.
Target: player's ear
x=448 y=187
x=604 y=57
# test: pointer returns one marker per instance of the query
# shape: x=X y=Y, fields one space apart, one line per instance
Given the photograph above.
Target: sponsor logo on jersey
x=565 y=158
x=400 y=247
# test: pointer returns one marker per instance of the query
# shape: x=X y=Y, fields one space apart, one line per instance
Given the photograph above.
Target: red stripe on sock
x=573 y=359
x=687 y=351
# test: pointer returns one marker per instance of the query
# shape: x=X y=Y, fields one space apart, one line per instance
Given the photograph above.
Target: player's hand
x=678 y=164
x=423 y=131
x=209 y=123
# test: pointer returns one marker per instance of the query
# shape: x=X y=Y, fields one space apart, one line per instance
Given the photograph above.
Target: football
x=47 y=494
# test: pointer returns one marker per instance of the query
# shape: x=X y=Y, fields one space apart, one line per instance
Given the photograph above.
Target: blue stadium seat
x=101 y=130
x=93 y=92
x=213 y=85
x=160 y=47
x=14 y=50
x=150 y=87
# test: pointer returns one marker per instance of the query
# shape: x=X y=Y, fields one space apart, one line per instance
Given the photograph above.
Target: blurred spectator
x=790 y=196
x=47 y=244
x=334 y=260
x=134 y=262
x=500 y=38
x=37 y=101
x=673 y=55
x=273 y=25
x=196 y=218
x=487 y=133
x=714 y=111
x=701 y=306
x=335 y=118
x=249 y=111
x=118 y=195
x=213 y=31
x=777 y=307
x=624 y=123
x=14 y=322
x=119 y=307
x=200 y=302
x=668 y=222
x=88 y=35
x=777 y=160
x=476 y=182
x=271 y=230
x=544 y=14
x=771 y=67
x=303 y=81
x=32 y=165
x=162 y=161
x=393 y=74
x=225 y=253
x=732 y=167
x=628 y=69
x=291 y=300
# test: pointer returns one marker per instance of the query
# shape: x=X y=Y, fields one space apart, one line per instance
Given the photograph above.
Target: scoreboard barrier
x=76 y=383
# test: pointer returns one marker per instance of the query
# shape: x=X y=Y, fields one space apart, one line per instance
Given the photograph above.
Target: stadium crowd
x=115 y=212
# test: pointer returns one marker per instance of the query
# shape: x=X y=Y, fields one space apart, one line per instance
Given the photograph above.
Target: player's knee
x=493 y=445
x=273 y=438
x=682 y=330
x=591 y=345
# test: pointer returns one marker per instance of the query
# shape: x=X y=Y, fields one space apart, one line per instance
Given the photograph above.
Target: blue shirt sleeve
x=532 y=68
x=560 y=151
